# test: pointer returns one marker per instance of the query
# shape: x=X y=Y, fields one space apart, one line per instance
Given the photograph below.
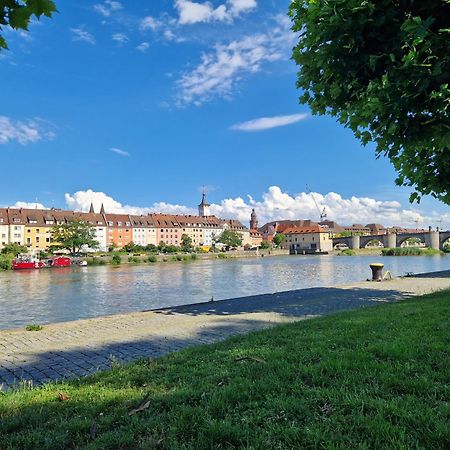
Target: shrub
x=347 y=252
x=194 y=256
x=5 y=262
x=133 y=259
x=171 y=249
x=222 y=256
x=96 y=262
x=116 y=259
x=34 y=327
x=152 y=259
x=447 y=247
x=409 y=251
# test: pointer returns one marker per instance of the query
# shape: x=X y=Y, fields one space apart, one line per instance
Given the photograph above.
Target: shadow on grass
x=92 y=357
x=365 y=379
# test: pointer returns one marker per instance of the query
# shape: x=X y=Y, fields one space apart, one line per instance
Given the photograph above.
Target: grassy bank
x=410 y=251
x=371 y=378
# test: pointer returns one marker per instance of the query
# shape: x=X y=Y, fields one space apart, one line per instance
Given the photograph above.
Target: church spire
x=91 y=209
x=102 y=209
x=203 y=208
x=253 y=220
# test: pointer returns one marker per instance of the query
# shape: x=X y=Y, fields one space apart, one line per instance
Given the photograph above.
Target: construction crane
x=323 y=212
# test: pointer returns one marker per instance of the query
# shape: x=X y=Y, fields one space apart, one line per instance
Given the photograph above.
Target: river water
x=58 y=295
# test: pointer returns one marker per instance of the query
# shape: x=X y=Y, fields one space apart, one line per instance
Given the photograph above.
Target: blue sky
x=140 y=103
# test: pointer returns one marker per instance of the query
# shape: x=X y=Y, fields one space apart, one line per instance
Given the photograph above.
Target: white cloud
x=238 y=6
x=277 y=205
x=191 y=12
x=119 y=151
x=266 y=123
x=221 y=69
x=108 y=7
x=24 y=132
x=80 y=34
x=121 y=38
x=81 y=201
x=150 y=23
x=28 y=205
x=143 y=47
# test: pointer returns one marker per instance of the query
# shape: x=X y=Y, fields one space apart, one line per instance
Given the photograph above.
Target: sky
x=141 y=104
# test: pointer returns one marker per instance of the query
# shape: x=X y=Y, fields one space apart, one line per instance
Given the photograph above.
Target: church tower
x=203 y=208
x=253 y=220
x=91 y=209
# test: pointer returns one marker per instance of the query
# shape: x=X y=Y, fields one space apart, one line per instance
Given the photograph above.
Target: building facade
x=4 y=227
x=311 y=239
x=120 y=230
x=144 y=230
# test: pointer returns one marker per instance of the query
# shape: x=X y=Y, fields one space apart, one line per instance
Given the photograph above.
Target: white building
x=144 y=230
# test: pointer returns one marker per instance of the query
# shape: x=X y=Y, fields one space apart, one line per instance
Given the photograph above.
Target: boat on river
x=30 y=262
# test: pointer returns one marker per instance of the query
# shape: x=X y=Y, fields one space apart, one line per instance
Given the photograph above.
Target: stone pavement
x=79 y=348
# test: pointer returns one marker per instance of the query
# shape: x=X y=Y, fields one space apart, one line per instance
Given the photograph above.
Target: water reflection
x=67 y=294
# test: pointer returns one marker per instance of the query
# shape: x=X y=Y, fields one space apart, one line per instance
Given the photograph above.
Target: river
x=58 y=295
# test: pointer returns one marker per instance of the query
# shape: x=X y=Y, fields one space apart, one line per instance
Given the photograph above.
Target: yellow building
x=38 y=228
x=4 y=227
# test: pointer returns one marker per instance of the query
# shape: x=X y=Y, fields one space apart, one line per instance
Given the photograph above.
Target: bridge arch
x=365 y=240
x=444 y=239
x=401 y=238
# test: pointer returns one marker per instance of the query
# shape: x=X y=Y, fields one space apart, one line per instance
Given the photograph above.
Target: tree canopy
x=230 y=238
x=186 y=243
x=74 y=235
x=382 y=68
x=17 y=14
x=278 y=238
x=14 y=249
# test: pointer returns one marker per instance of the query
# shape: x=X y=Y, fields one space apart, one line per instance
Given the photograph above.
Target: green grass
x=371 y=378
x=409 y=251
x=347 y=252
x=34 y=327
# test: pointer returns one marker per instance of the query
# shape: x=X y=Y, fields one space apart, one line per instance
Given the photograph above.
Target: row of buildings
x=33 y=227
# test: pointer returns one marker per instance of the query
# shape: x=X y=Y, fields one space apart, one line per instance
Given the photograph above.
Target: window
x=37 y=239
x=16 y=220
x=110 y=224
x=119 y=224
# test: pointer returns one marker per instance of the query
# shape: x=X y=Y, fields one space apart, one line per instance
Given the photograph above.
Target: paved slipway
x=79 y=348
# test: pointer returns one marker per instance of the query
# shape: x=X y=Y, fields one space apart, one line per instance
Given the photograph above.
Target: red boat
x=29 y=262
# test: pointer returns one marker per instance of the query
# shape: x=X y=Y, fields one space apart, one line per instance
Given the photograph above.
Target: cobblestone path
x=79 y=348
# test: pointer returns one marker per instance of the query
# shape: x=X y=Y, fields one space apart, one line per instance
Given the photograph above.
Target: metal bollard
x=377 y=271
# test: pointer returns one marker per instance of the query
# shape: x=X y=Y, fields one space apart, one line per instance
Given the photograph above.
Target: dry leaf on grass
x=63 y=397
x=142 y=407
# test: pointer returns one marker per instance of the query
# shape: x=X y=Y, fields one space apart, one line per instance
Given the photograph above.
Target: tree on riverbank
x=17 y=14
x=186 y=243
x=382 y=69
x=14 y=249
x=73 y=236
x=230 y=239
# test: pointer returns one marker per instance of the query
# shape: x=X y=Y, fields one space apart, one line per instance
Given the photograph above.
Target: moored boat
x=26 y=262
x=30 y=262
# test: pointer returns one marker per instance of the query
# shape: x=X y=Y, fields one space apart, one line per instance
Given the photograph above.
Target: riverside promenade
x=79 y=348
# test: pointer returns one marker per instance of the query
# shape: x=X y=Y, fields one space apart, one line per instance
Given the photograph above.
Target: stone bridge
x=431 y=239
